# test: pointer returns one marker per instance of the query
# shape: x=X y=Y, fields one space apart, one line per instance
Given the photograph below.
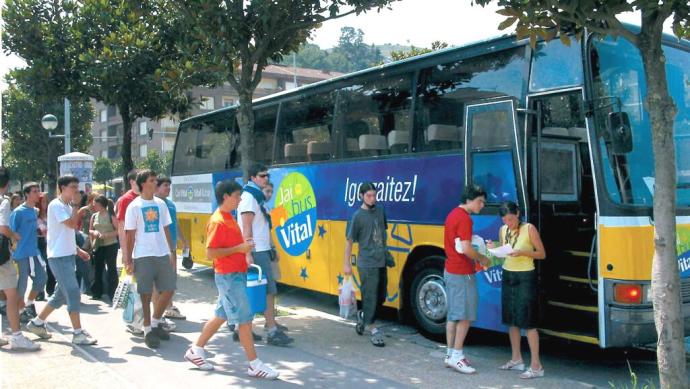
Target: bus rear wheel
x=428 y=296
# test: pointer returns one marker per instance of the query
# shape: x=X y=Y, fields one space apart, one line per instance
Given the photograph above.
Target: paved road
x=326 y=353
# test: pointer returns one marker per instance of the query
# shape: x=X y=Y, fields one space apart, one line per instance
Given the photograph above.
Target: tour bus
x=560 y=129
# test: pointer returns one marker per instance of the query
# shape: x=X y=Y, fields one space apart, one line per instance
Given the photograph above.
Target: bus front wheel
x=428 y=296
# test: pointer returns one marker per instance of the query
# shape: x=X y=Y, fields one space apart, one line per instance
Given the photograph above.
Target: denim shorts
x=461 y=290
x=67 y=290
x=27 y=266
x=233 y=302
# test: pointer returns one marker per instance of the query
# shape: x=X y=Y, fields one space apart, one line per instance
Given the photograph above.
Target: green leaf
x=507 y=23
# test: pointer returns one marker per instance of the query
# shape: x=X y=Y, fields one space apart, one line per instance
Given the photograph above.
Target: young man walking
x=461 y=287
x=226 y=246
x=63 y=219
x=256 y=227
x=147 y=222
x=368 y=228
x=8 y=274
x=121 y=209
x=163 y=193
x=24 y=222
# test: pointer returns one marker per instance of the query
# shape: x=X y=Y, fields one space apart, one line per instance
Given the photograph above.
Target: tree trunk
x=666 y=298
x=245 y=120
x=127 y=164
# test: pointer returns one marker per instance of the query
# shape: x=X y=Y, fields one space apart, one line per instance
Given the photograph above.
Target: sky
x=409 y=22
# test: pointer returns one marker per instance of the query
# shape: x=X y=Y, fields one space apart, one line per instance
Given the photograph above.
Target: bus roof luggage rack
x=373 y=144
x=318 y=151
x=295 y=152
x=398 y=141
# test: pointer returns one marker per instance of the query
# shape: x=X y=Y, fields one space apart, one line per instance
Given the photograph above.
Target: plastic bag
x=347 y=299
x=133 y=314
x=122 y=292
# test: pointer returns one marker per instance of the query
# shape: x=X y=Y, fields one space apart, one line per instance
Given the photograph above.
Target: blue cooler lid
x=255 y=278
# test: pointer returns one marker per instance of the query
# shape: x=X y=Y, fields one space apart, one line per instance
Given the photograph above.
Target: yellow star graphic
x=151 y=215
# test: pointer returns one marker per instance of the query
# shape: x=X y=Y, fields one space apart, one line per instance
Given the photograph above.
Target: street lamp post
x=50 y=123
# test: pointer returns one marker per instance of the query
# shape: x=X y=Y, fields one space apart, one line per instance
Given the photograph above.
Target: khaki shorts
x=8 y=276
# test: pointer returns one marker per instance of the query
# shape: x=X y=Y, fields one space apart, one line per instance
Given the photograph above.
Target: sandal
x=359 y=328
x=513 y=365
x=377 y=339
x=531 y=373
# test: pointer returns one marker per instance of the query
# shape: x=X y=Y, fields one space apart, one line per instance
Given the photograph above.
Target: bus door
x=493 y=162
x=561 y=203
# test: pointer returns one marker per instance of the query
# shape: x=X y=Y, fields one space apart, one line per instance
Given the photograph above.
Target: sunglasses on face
x=263 y=175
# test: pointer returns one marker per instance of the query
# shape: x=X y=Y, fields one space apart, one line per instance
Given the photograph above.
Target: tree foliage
x=121 y=53
x=159 y=163
x=548 y=19
x=415 y=51
x=239 y=38
x=27 y=150
x=103 y=170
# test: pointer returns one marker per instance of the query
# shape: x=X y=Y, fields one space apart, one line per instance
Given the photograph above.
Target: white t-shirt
x=61 y=239
x=5 y=211
x=260 y=231
x=149 y=218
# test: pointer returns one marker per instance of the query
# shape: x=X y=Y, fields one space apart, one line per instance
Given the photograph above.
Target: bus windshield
x=619 y=84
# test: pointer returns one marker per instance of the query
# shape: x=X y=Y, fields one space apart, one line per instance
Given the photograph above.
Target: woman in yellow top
x=519 y=291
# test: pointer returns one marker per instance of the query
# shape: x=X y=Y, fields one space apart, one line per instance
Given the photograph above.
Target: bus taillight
x=627 y=293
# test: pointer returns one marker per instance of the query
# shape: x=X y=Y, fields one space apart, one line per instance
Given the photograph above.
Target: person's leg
x=382 y=287
x=461 y=330
x=12 y=308
x=369 y=290
x=162 y=304
x=111 y=263
x=38 y=280
x=533 y=341
x=263 y=260
x=247 y=341
x=72 y=292
x=99 y=262
x=165 y=283
x=146 y=308
x=514 y=335
x=451 y=328
x=22 y=281
x=50 y=285
x=210 y=329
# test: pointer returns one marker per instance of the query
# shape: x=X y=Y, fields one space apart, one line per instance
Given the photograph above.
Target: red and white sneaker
x=262 y=371
x=463 y=366
x=198 y=359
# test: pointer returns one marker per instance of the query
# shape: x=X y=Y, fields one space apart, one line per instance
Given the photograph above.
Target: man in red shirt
x=461 y=288
x=121 y=209
x=226 y=246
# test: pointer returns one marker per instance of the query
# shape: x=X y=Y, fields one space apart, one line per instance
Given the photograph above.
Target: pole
x=294 y=68
x=68 y=129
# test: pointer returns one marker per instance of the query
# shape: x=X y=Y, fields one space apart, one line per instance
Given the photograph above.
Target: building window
x=104 y=116
x=168 y=124
x=290 y=85
x=104 y=153
x=228 y=101
x=168 y=144
x=143 y=127
x=143 y=150
x=268 y=84
x=104 y=136
x=207 y=103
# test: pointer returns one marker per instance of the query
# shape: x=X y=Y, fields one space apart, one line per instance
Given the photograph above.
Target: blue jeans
x=233 y=302
x=39 y=278
x=67 y=289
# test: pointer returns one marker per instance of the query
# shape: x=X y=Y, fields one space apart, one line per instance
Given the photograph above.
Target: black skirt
x=519 y=299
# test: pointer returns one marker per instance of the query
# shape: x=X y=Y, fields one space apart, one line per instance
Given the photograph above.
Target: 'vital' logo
x=684 y=264
x=295 y=214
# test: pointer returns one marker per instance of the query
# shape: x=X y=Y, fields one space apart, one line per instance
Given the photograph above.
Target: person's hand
x=17 y=236
x=490 y=244
x=484 y=260
x=347 y=269
x=515 y=253
x=250 y=259
x=129 y=267
x=83 y=255
x=246 y=247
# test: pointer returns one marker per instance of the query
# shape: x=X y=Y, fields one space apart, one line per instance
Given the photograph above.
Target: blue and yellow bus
x=562 y=130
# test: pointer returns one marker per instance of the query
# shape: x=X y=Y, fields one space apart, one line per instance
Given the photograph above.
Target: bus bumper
x=635 y=327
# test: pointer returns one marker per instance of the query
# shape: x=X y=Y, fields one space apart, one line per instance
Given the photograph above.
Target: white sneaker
x=463 y=366
x=40 y=330
x=134 y=330
x=446 y=361
x=198 y=359
x=3 y=342
x=168 y=324
x=83 y=338
x=262 y=371
x=21 y=342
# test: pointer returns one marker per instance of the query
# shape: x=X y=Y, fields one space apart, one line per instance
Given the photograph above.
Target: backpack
x=5 y=243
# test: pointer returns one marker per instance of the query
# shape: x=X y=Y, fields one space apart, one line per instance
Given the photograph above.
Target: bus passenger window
x=264 y=130
x=374 y=117
x=203 y=146
x=305 y=129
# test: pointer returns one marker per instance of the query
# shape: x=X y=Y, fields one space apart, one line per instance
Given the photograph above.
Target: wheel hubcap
x=431 y=298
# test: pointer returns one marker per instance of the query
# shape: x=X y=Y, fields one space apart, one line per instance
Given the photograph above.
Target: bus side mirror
x=620 y=133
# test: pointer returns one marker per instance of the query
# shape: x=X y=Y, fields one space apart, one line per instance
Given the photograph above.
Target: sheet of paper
x=501 y=252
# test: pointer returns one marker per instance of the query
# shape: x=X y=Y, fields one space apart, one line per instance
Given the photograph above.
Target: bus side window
x=204 y=146
x=264 y=133
x=305 y=129
x=374 y=117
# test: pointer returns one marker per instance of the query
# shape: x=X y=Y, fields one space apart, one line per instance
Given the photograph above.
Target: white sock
x=154 y=322
x=38 y=321
x=449 y=351
x=78 y=331
x=458 y=354
x=374 y=331
x=17 y=334
x=197 y=350
x=147 y=329
x=29 y=302
x=255 y=363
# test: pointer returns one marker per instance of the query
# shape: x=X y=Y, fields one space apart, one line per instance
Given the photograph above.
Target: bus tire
x=428 y=296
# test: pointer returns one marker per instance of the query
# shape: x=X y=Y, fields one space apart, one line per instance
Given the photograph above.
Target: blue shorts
x=233 y=302
x=461 y=292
